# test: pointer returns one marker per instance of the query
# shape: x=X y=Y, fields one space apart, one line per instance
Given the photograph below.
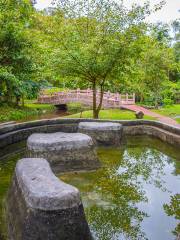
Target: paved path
x=159 y=117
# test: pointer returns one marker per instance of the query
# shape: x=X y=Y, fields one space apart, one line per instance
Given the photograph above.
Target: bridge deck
x=110 y=100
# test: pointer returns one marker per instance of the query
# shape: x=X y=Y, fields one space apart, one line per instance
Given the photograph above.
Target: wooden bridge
x=110 y=100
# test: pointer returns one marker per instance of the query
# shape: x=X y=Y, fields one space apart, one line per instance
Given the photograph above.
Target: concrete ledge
x=165 y=136
x=76 y=121
x=18 y=132
x=41 y=207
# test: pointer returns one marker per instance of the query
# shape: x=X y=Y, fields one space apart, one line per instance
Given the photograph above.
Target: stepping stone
x=64 y=151
x=40 y=206
x=102 y=133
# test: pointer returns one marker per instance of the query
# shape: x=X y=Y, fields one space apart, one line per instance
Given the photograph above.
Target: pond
x=133 y=196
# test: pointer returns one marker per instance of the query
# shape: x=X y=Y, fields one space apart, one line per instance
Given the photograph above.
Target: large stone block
x=41 y=207
x=102 y=133
x=64 y=151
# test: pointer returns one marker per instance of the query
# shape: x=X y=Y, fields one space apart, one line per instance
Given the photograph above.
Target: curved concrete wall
x=14 y=133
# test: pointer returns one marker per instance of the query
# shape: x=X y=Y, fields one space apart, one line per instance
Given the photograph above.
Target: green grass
x=114 y=114
x=33 y=105
x=170 y=111
x=34 y=111
x=29 y=111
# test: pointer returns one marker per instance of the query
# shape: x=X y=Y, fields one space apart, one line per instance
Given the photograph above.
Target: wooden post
x=88 y=91
x=108 y=94
x=120 y=99
x=127 y=98
x=117 y=99
x=78 y=92
x=134 y=98
x=117 y=96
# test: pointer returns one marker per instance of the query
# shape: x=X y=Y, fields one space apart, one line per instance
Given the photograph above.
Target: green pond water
x=135 y=195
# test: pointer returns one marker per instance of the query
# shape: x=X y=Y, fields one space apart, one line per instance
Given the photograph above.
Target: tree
x=16 y=64
x=94 y=41
x=151 y=71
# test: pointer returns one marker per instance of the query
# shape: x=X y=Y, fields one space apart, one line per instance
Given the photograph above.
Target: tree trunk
x=23 y=100
x=17 y=100
x=156 y=101
x=101 y=101
x=95 y=115
x=141 y=97
x=8 y=95
x=96 y=109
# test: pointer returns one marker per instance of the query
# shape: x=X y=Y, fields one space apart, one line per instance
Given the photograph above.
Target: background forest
x=78 y=44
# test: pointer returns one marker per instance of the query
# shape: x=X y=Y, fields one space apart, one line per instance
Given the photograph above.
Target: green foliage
x=16 y=64
x=95 y=43
x=83 y=44
x=49 y=91
x=167 y=101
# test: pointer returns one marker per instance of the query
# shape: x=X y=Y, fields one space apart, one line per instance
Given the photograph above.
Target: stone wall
x=17 y=132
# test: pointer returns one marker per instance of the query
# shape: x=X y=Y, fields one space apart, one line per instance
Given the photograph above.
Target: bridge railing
x=110 y=100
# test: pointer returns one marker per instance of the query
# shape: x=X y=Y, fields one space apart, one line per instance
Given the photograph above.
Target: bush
x=167 y=102
x=52 y=90
x=3 y=118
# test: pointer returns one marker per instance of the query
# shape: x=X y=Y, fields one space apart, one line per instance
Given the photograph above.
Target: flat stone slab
x=58 y=141
x=64 y=151
x=42 y=189
x=105 y=126
x=41 y=207
x=102 y=133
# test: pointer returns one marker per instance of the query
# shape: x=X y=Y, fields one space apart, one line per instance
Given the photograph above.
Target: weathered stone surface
x=64 y=151
x=41 y=207
x=102 y=133
x=139 y=115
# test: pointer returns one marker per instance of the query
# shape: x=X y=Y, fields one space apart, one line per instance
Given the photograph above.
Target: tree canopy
x=96 y=43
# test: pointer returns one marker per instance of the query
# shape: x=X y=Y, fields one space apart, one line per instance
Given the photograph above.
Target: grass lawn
x=114 y=114
x=29 y=112
x=32 y=105
x=34 y=111
x=170 y=111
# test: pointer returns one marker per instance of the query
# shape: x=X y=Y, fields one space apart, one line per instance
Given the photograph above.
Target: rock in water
x=102 y=133
x=64 y=151
x=41 y=207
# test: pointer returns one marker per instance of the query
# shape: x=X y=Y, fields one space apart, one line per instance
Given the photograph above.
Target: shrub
x=167 y=102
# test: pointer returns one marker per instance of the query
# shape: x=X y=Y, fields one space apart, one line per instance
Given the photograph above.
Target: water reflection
x=173 y=209
x=125 y=198
x=134 y=196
